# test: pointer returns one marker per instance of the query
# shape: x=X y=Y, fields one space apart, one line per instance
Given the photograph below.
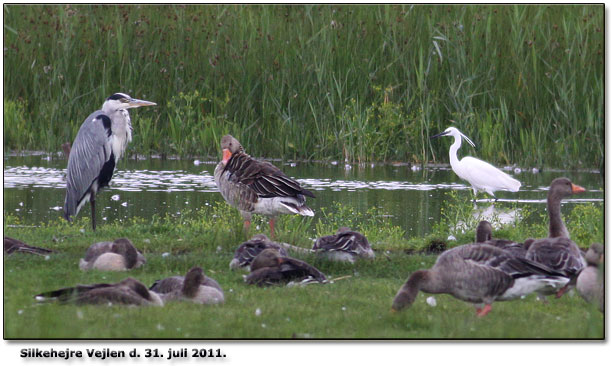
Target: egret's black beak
x=439 y=135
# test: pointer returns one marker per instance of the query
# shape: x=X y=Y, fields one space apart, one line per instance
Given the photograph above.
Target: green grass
x=353 y=307
x=355 y=82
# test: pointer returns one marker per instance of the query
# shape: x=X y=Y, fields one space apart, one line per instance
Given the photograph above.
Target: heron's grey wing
x=90 y=151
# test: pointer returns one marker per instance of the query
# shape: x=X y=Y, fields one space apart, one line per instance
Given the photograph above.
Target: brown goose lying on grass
x=558 y=251
x=12 y=245
x=478 y=273
x=254 y=186
x=247 y=251
x=346 y=245
x=119 y=255
x=195 y=287
x=590 y=280
x=484 y=232
x=126 y=292
x=269 y=267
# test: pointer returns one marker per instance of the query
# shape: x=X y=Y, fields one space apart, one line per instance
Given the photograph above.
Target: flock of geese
x=488 y=270
x=482 y=272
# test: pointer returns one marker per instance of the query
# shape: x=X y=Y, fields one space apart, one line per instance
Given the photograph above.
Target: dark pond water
x=34 y=189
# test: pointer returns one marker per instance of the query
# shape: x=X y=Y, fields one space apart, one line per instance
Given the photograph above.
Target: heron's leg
x=92 y=200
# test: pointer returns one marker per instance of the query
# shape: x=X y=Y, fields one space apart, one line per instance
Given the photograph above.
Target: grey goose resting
x=126 y=292
x=269 y=267
x=118 y=255
x=247 y=251
x=345 y=245
x=195 y=287
x=12 y=245
x=590 y=280
x=484 y=232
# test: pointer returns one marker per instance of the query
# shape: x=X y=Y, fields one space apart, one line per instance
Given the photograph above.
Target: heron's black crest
x=106 y=122
x=117 y=96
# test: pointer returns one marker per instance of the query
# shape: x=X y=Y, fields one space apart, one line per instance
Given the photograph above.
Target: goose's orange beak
x=226 y=155
x=577 y=188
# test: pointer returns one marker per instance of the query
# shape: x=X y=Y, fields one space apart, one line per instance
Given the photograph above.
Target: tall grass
x=358 y=82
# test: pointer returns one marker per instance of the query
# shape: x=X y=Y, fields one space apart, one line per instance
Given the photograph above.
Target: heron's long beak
x=135 y=103
x=439 y=135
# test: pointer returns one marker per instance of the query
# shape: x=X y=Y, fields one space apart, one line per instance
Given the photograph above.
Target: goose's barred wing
x=349 y=241
x=263 y=178
x=559 y=254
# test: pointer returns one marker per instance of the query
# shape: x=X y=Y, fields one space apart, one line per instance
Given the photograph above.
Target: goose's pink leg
x=247 y=225
x=272 y=228
x=484 y=311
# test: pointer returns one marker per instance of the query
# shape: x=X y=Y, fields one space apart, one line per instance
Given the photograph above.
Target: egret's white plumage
x=480 y=174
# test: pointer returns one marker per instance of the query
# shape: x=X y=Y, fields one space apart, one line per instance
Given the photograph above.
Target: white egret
x=480 y=174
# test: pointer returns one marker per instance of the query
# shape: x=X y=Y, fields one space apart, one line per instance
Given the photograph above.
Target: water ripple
x=182 y=181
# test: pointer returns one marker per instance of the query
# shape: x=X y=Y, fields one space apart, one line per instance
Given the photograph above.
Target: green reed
x=357 y=82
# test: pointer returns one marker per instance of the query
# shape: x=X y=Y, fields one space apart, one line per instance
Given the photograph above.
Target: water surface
x=34 y=189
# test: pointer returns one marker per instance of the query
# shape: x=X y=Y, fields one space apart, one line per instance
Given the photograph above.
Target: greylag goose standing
x=558 y=251
x=243 y=256
x=269 y=267
x=590 y=280
x=255 y=186
x=12 y=245
x=195 y=286
x=99 y=144
x=484 y=232
x=119 y=255
x=126 y=292
x=478 y=273
x=345 y=245
x=480 y=174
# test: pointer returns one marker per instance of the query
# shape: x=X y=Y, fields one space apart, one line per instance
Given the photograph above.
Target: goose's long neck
x=422 y=280
x=452 y=152
x=556 y=226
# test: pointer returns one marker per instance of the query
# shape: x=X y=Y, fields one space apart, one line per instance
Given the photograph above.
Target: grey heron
x=99 y=144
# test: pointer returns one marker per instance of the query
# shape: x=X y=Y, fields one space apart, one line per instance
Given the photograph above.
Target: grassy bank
x=341 y=82
x=357 y=306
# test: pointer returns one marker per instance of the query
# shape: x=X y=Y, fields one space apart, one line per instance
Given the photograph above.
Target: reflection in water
x=34 y=189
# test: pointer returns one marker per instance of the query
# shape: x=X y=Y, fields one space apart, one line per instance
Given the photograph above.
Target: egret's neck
x=452 y=152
